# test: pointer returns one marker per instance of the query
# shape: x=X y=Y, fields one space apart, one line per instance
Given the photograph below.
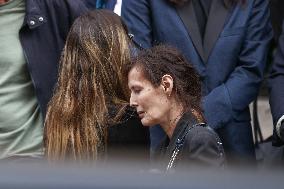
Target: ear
x=167 y=83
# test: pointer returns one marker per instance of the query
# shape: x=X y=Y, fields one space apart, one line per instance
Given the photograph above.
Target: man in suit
x=276 y=84
x=227 y=42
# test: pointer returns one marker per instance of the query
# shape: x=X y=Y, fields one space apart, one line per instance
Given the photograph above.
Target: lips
x=141 y=114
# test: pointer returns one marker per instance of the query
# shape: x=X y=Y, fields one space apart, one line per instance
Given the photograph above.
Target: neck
x=172 y=119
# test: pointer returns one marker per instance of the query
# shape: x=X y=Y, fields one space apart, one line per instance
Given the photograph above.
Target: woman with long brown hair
x=90 y=94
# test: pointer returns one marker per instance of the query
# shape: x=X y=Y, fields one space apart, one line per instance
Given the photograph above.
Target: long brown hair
x=90 y=81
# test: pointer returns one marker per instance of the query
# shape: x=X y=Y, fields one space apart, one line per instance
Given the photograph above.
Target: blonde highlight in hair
x=90 y=83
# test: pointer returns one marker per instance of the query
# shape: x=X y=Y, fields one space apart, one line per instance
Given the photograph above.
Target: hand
x=282 y=131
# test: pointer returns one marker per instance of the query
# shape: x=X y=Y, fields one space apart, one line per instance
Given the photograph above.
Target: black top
x=202 y=9
x=129 y=139
x=198 y=145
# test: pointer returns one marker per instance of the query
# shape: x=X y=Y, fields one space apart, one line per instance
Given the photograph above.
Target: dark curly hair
x=161 y=60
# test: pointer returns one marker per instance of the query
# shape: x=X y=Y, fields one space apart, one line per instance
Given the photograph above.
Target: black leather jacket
x=42 y=36
x=195 y=144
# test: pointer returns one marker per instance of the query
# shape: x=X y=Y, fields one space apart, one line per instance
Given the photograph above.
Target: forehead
x=135 y=72
x=136 y=76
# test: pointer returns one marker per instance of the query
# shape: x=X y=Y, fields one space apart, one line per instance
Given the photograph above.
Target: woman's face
x=151 y=103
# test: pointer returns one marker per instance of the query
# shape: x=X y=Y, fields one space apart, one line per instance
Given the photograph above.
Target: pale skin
x=154 y=105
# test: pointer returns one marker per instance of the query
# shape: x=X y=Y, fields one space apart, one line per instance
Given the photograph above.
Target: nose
x=132 y=101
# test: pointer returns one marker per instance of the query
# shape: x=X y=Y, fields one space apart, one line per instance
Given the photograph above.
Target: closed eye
x=136 y=90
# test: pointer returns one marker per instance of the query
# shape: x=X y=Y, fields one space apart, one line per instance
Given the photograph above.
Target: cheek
x=159 y=109
x=157 y=116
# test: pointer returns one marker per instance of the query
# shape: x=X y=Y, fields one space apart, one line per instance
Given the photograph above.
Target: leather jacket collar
x=186 y=120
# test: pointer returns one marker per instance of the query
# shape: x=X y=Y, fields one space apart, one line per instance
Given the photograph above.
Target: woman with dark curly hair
x=227 y=42
x=165 y=90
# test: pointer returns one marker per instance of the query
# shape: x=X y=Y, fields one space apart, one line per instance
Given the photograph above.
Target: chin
x=147 y=123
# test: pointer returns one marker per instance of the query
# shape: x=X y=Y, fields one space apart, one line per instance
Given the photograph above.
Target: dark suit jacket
x=231 y=63
x=276 y=84
x=201 y=146
x=44 y=40
x=108 y=4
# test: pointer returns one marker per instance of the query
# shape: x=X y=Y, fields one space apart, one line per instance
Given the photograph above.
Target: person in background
x=114 y=5
x=276 y=85
x=277 y=15
x=87 y=119
x=227 y=42
x=166 y=90
x=32 y=36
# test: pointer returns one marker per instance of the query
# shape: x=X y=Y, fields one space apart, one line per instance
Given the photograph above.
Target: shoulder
x=200 y=132
x=63 y=6
x=62 y=13
x=203 y=147
x=62 y=2
x=203 y=137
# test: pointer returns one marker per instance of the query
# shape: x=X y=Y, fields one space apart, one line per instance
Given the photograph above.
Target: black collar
x=34 y=15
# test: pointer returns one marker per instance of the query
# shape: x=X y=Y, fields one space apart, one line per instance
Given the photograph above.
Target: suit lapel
x=215 y=24
x=187 y=15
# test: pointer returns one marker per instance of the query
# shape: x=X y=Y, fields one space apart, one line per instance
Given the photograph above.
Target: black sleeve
x=64 y=12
